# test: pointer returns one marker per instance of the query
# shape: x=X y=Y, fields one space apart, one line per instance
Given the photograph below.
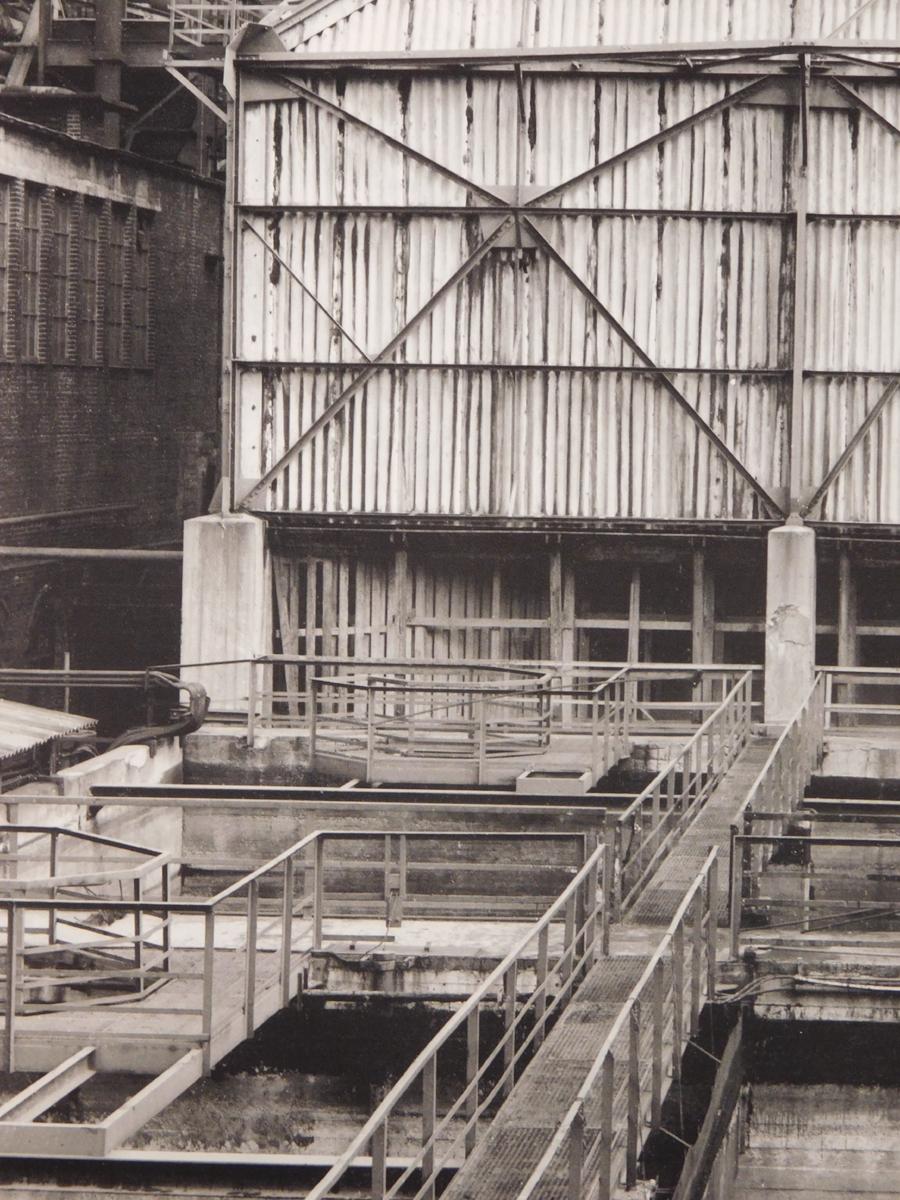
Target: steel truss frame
x=519 y=213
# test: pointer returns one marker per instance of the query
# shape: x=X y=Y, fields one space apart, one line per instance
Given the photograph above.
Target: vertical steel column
x=798 y=351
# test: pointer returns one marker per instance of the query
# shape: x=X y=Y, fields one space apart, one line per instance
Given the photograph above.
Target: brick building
x=110 y=289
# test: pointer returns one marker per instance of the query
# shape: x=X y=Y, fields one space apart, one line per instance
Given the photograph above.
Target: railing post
x=370 y=732
x=576 y=1155
x=287 y=932
x=509 y=1033
x=51 y=912
x=677 y=999
x=473 y=1056
x=318 y=891
x=379 y=1161
x=482 y=738
x=607 y=1096
x=209 y=955
x=735 y=890
x=250 y=965
x=136 y=892
x=251 y=704
x=595 y=737
x=696 y=959
x=429 y=1121
x=540 y=1003
x=567 y=962
x=12 y=982
x=609 y=870
x=312 y=703
x=167 y=918
x=634 y=1094
x=607 y=734
x=268 y=693
x=659 y=999
x=712 y=928
x=591 y=887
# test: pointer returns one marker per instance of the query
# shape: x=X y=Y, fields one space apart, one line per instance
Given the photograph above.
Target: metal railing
x=780 y=785
x=641 y=836
x=490 y=1071
x=458 y=716
x=861 y=696
x=44 y=862
x=279 y=907
x=210 y=22
x=814 y=883
x=665 y=694
x=592 y=1148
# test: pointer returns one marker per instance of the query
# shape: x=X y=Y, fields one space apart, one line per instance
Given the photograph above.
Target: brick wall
x=107 y=438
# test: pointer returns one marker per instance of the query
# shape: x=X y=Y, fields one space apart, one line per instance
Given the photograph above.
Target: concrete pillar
x=790 y=619
x=226 y=603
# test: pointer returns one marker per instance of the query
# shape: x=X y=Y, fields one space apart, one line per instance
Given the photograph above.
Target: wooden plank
x=556 y=605
x=152 y=1099
x=41 y=1095
x=634 y=615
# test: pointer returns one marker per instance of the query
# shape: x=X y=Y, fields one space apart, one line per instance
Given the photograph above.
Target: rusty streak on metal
x=365 y=375
x=307 y=291
x=858 y=437
x=858 y=102
x=343 y=114
x=594 y=300
x=654 y=139
x=514 y=211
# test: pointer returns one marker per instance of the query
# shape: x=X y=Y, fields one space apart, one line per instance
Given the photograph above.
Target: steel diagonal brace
x=425 y=160
x=858 y=438
x=306 y=290
x=857 y=101
x=677 y=395
x=654 y=139
x=376 y=363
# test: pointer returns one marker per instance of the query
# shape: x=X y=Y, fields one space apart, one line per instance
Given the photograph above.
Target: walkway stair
x=507 y=1154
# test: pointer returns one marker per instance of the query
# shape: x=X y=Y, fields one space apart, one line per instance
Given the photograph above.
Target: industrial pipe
x=88 y=552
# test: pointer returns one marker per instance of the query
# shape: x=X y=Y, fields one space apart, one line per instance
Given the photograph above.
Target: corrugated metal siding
x=459 y=24
x=25 y=726
x=517 y=443
x=570 y=432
